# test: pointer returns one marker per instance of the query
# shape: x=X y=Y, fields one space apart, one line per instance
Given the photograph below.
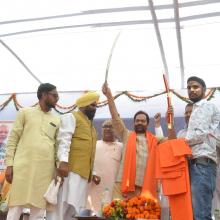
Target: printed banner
x=5 y=127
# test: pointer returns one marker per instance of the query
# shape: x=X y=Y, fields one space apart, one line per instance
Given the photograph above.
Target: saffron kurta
x=31 y=152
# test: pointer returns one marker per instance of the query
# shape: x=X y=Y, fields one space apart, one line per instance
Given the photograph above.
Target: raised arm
x=158 y=128
x=118 y=125
x=112 y=107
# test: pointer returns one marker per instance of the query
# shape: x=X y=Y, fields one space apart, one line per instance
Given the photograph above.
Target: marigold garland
x=4 y=104
x=134 y=98
x=136 y=207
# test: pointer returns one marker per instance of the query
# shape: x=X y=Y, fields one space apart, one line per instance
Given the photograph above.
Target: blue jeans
x=203 y=181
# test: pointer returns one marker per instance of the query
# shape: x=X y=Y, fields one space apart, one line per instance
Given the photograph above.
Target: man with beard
x=137 y=147
x=202 y=125
x=30 y=155
x=76 y=151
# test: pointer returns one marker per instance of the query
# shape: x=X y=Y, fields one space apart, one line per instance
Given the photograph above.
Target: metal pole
x=159 y=40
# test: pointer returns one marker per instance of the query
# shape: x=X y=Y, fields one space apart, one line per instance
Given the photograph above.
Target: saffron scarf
x=129 y=169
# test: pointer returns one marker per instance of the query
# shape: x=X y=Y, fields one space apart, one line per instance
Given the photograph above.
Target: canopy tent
x=68 y=43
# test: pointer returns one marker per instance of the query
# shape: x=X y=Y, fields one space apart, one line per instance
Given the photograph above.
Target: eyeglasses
x=55 y=95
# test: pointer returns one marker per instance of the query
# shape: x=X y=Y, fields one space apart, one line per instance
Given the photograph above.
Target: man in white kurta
x=76 y=149
x=30 y=155
x=107 y=160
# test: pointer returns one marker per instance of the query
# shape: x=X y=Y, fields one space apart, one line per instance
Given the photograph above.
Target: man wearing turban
x=76 y=150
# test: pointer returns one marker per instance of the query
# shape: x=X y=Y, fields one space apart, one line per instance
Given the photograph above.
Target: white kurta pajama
x=107 y=160
x=31 y=152
x=72 y=195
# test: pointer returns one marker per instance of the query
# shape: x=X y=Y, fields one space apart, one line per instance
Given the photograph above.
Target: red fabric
x=172 y=169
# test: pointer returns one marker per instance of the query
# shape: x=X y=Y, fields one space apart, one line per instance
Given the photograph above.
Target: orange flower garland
x=134 y=208
x=135 y=98
x=116 y=209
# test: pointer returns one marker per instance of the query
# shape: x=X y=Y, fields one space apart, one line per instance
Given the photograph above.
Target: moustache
x=139 y=126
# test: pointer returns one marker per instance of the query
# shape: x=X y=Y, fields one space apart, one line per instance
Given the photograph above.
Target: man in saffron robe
x=137 y=147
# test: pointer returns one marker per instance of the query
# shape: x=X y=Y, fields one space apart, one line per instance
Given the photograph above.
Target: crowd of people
x=42 y=146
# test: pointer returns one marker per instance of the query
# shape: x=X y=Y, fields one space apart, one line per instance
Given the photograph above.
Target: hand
x=106 y=90
x=60 y=179
x=193 y=142
x=9 y=174
x=162 y=140
x=63 y=169
x=157 y=119
x=170 y=110
x=96 y=179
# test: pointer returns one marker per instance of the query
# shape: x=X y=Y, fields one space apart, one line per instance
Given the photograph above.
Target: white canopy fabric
x=68 y=43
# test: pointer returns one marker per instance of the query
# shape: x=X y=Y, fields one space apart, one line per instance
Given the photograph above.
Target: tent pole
x=111 y=10
x=159 y=39
x=19 y=60
x=179 y=41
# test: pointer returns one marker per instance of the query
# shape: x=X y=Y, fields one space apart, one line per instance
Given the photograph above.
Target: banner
x=5 y=127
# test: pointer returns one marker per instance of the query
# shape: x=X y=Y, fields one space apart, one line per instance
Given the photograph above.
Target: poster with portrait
x=5 y=127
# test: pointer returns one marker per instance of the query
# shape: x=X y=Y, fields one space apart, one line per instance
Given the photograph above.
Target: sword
x=110 y=57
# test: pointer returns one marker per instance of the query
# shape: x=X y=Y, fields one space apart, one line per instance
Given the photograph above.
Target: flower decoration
x=143 y=207
x=116 y=209
x=134 y=208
